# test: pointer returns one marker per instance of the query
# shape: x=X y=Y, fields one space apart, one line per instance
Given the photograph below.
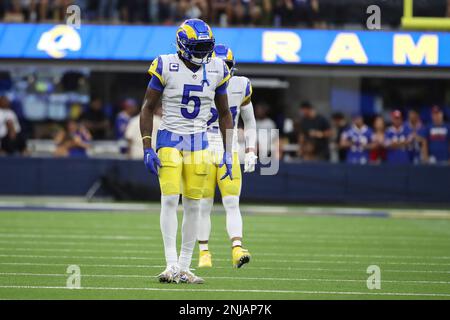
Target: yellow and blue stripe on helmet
x=195 y=41
x=226 y=54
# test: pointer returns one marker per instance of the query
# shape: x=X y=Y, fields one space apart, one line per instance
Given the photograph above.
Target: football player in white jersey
x=188 y=83
x=239 y=99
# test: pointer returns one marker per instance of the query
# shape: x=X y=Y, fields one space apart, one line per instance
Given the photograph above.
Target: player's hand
x=151 y=160
x=227 y=160
x=250 y=161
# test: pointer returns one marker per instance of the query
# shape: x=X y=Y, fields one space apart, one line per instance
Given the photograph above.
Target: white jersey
x=239 y=91
x=186 y=103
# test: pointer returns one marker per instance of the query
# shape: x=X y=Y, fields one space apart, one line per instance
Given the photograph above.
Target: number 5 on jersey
x=188 y=98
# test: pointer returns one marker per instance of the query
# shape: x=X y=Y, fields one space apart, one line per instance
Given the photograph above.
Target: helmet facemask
x=197 y=52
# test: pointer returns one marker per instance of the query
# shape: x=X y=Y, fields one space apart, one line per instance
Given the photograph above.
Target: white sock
x=169 y=227
x=234 y=218
x=204 y=225
x=189 y=232
x=236 y=243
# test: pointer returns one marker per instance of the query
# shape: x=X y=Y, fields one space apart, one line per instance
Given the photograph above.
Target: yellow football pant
x=227 y=186
x=183 y=172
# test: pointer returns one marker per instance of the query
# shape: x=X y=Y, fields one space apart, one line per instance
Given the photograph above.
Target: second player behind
x=239 y=93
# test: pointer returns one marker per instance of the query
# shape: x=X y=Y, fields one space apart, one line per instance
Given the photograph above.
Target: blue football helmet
x=195 y=41
x=223 y=52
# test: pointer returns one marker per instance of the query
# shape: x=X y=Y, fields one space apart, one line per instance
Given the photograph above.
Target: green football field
x=294 y=257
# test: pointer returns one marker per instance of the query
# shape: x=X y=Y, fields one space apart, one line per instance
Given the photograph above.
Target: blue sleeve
x=222 y=89
x=156 y=84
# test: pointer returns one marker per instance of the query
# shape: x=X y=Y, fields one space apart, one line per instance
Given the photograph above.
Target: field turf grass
x=294 y=257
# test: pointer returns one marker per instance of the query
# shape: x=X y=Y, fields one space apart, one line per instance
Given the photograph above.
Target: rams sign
x=255 y=45
x=358 y=48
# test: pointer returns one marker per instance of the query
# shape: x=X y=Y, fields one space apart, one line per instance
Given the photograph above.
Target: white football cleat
x=169 y=275
x=189 y=277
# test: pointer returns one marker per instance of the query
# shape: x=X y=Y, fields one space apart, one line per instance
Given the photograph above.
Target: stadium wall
x=250 y=45
x=294 y=183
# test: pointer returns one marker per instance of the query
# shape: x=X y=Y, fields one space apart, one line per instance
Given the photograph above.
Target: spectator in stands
x=133 y=135
x=357 y=140
x=397 y=140
x=14 y=12
x=253 y=12
x=315 y=129
x=72 y=141
x=437 y=138
x=107 y=9
x=192 y=9
x=11 y=138
x=339 y=125
x=53 y=10
x=378 y=152
x=129 y=109
x=133 y=11
x=95 y=120
x=306 y=12
x=283 y=13
x=221 y=11
x=164 y=11
x=264 y=126
x=414 y=124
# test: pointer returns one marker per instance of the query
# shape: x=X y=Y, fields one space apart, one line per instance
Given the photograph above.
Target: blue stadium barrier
x=294 y=183
x=250 y=45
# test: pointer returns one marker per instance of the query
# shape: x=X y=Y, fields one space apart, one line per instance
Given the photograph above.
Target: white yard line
x=284 y=269
x=259 y=254
x=222 y=278
x=76 y=236
x=125 y=248
x=158 y=238
x=217 y=259
x=81 y=243
x=83 y=264
x=6 y=232
x=199 y=289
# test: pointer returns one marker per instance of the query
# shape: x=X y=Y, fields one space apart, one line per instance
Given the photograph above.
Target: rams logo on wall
x=59 y=40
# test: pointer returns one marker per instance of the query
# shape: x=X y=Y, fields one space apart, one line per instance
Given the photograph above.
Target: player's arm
x=151 y=101
x=248 y=117
x=149 y=106
x=225 y=121
x=225 y=125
